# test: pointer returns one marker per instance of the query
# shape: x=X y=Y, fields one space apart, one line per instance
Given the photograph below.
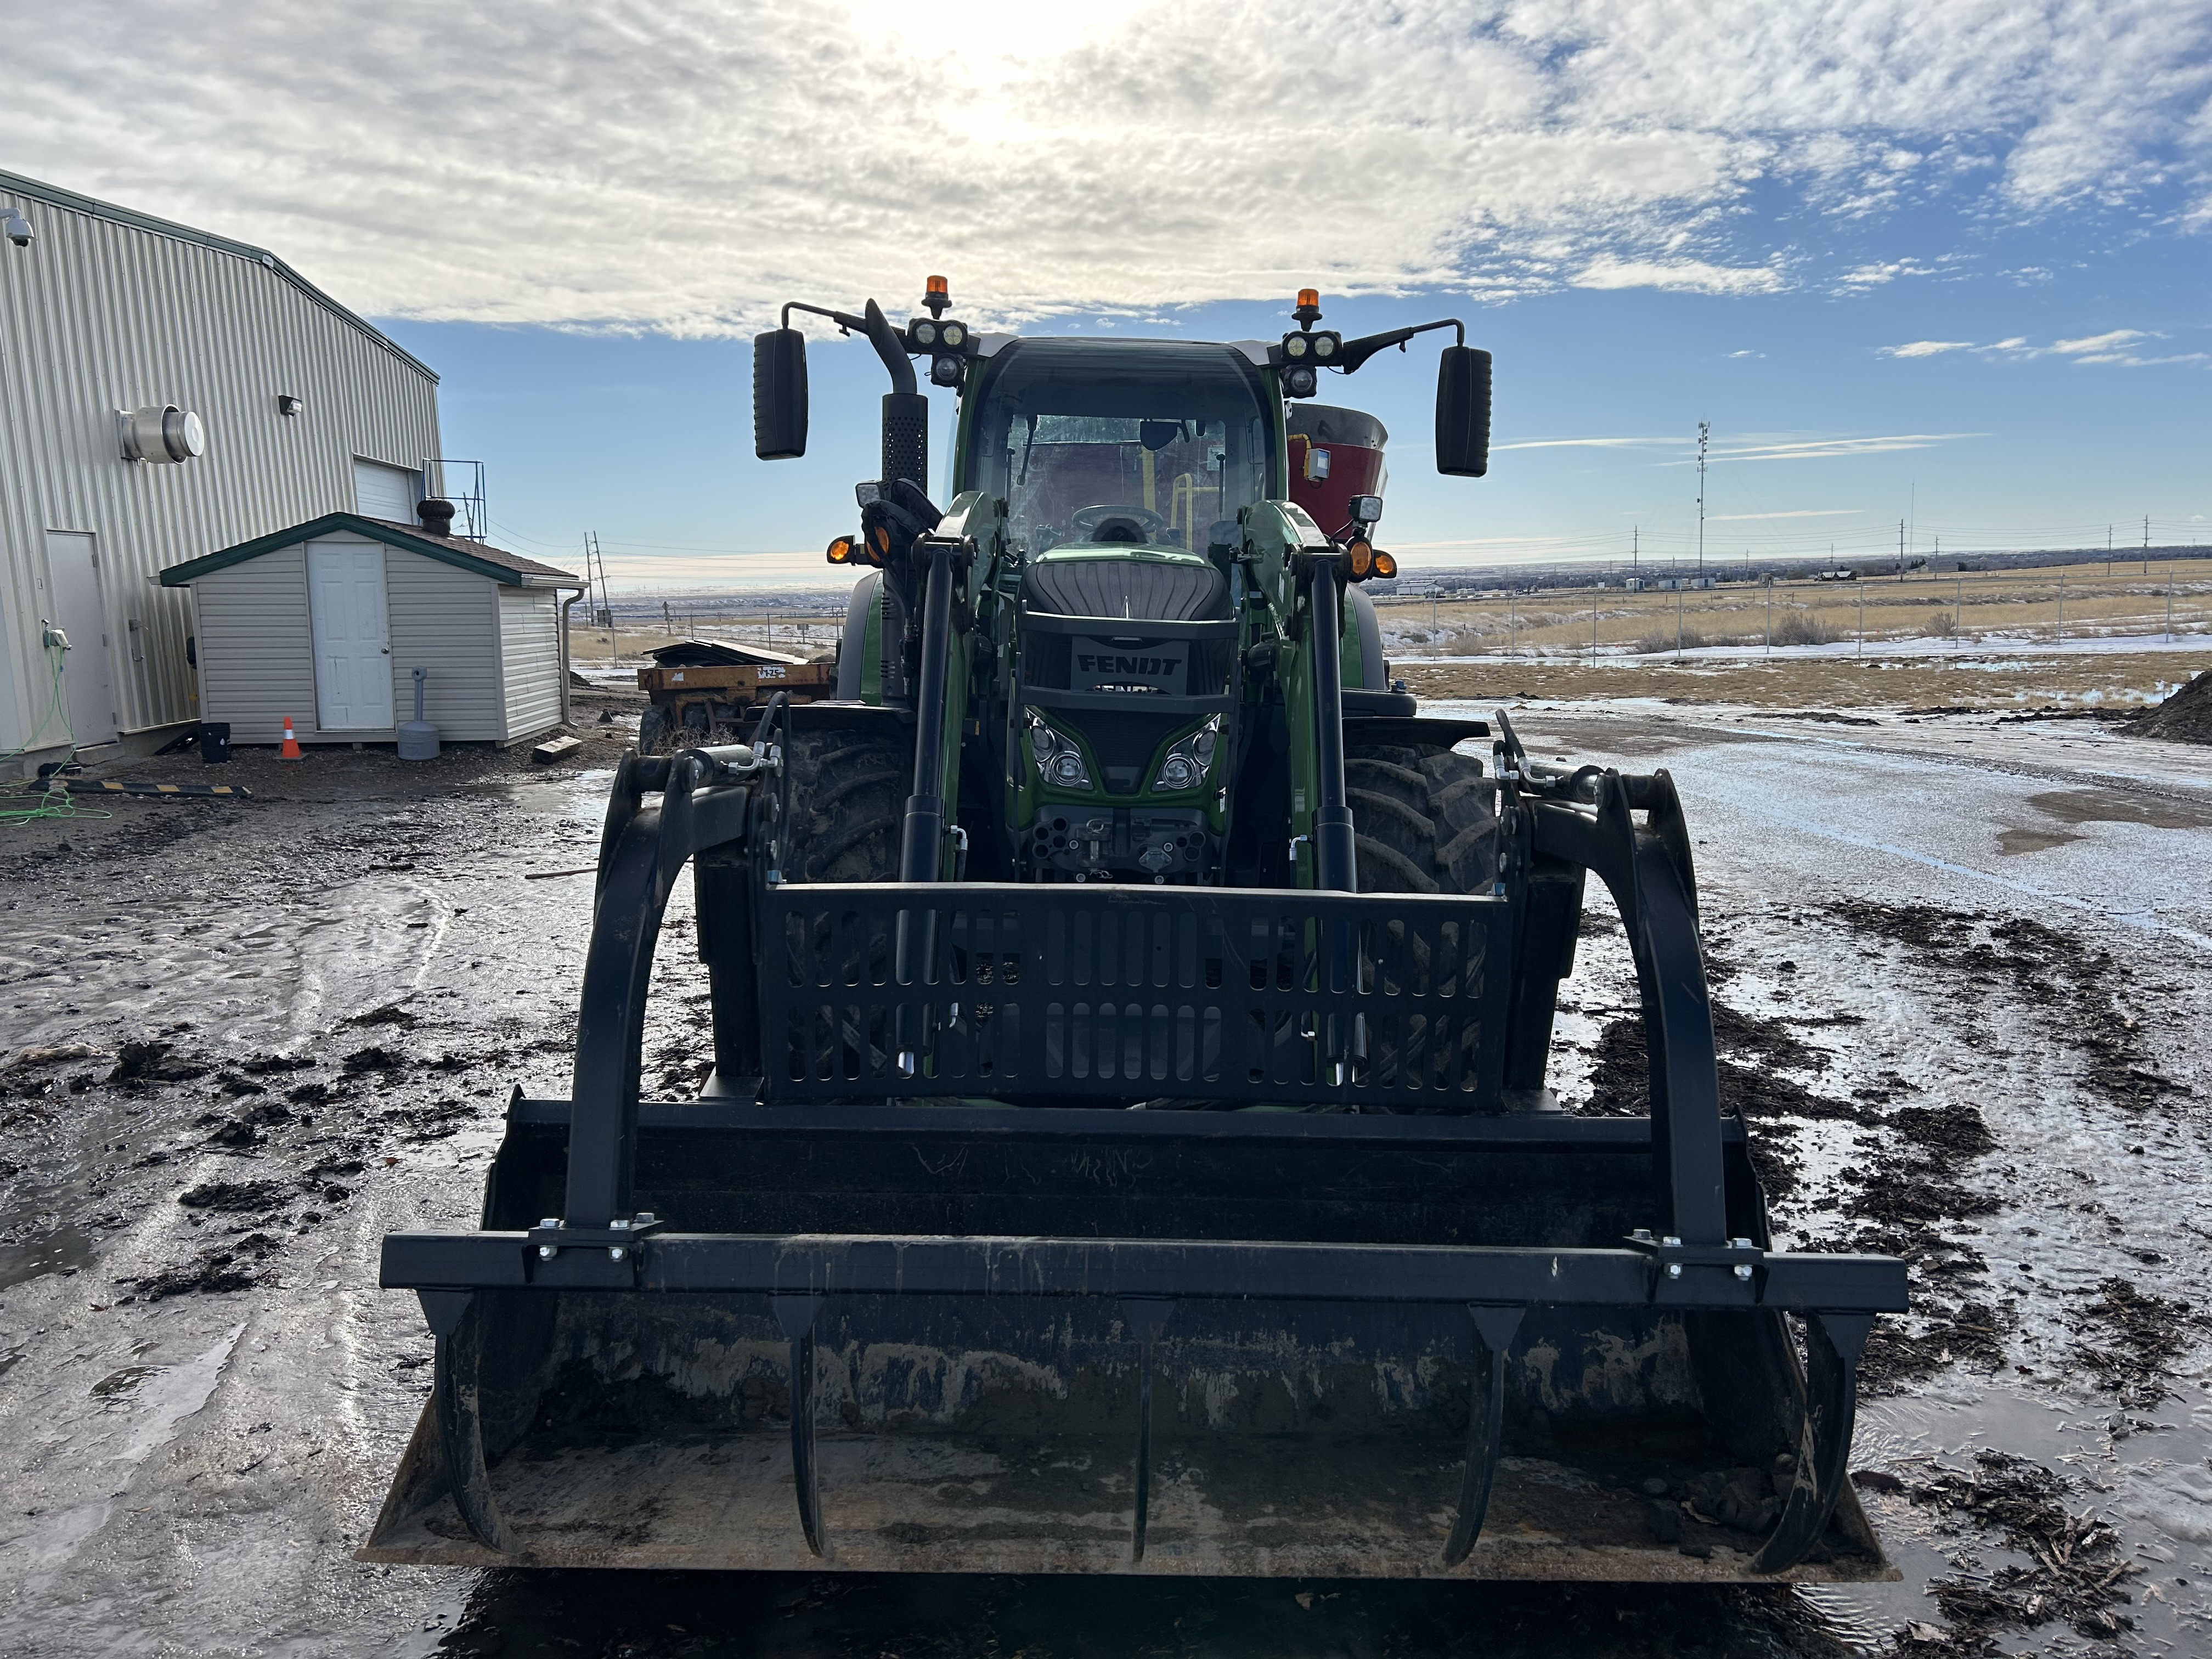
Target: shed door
x=87 y=699
x=386 y=492
x=352 y=636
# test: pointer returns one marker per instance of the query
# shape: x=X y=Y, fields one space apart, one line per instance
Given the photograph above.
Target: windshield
x=1099 y=441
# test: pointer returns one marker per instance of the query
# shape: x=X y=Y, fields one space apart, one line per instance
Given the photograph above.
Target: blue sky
x=1942 y=260
x=1820 y=433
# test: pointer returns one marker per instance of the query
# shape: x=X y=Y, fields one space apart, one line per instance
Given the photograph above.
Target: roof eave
x=183 y=575
x=56 y=196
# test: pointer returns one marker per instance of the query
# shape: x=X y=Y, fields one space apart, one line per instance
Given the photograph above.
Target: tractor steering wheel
x=1088 y=520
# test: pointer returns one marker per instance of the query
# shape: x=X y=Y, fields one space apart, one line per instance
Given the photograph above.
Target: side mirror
x=1463 y=412
x=780 y=394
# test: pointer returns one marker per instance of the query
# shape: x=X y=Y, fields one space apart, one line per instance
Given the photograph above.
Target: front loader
x=1127 y=1147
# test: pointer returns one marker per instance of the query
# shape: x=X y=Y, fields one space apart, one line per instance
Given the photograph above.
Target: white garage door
x=386 y=492
x=353 y=640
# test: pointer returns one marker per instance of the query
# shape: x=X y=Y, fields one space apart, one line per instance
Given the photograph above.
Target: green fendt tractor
x=1127 y=1147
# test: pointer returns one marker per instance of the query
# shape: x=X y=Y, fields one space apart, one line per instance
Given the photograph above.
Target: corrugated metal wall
x=530 y=653
x=448 y=621
x=98 y=316
x=257 y=653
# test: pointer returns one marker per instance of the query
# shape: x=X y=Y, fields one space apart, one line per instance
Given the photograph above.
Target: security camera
x=19 y=229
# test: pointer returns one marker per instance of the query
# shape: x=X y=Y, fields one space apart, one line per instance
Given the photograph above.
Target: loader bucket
x=915 y=1290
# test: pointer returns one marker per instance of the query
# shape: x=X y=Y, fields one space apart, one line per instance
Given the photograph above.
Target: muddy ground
x=1964 y=967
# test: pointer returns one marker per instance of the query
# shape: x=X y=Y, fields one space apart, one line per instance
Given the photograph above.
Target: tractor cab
x=1120 y=444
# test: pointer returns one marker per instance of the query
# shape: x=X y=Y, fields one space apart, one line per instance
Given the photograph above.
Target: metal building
x=164 y=393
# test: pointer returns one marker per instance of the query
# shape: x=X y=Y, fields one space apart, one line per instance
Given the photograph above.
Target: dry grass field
x=2069 y=603
x=2085 y=636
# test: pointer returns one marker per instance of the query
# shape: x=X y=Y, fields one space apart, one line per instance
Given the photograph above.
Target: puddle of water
x=2151 y=1483
x=2115 y=806
x=161 y=1400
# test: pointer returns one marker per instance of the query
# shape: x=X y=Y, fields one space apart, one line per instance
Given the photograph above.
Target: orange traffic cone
x=290 y=751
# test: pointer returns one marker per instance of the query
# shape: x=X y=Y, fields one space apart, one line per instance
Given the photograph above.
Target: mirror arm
x=1356 y=352
x=893 y=352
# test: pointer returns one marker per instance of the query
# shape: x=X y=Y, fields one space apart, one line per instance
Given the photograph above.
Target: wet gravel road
x=1963 y=971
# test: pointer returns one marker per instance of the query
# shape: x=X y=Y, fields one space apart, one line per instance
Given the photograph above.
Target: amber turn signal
x=1362 y=560
x=1385 y=566
x=840 y=550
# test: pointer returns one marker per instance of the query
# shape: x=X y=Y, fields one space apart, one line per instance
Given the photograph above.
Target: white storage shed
x=327 y=620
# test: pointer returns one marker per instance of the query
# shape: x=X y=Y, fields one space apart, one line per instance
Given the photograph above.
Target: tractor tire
x=842 y=807
x=1424 y=820
x=648 y=729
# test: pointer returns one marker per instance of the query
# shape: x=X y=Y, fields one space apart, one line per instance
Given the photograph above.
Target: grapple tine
x=1494 y=1328
x=1833 y=1347
x=795 y=1314
x=1145 y=1318
x=460 y=1422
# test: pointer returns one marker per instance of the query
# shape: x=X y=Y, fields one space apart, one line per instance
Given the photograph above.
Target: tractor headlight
x=1186 y=764
x=955 y=334
x=945 y=371
x=922 y=332
x=1058 y=761
x=1325 y=344
x=1295 y=346
x=1298 y=381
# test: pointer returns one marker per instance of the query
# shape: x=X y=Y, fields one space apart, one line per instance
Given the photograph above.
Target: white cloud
x=2113 y=346
x=685 y=165
x=1819 y=449
x=1874 y=274
x=1694 y=276
x=1926 y=348
x=2105 y=343
x=1586 y=443
x=1746 y=354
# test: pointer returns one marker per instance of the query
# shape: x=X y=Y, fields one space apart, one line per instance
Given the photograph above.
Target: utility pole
x=595 y=577
x=2146 y=544
x=1635 y=547
x=1704 y=430
x=1900 y=549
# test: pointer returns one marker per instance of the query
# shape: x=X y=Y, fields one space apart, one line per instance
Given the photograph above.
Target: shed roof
x=510 y=569
x=16 y=184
